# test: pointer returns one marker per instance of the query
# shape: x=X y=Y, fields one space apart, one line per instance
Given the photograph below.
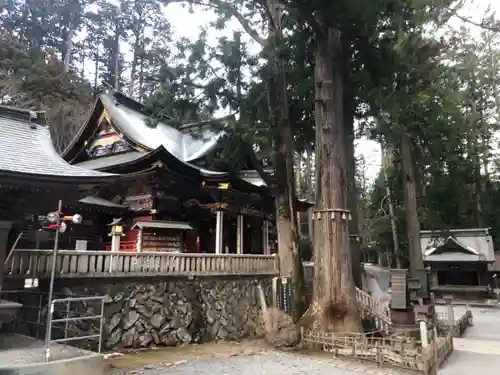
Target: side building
x=460 y=260
x=33 y=178
x=192 y=190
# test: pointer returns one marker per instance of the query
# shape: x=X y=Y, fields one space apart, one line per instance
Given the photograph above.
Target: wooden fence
x=398 y=351
x=72 y=263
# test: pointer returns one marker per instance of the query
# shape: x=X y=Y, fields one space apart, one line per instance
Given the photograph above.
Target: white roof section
x=457 y=245
x=252 y=177
x=184 y=146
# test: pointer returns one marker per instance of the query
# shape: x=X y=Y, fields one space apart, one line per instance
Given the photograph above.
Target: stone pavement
x=478 y=351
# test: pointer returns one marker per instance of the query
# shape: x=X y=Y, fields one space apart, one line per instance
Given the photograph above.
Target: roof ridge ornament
x=33 y=118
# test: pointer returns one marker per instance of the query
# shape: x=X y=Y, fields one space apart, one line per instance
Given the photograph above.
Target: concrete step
x=88 y=365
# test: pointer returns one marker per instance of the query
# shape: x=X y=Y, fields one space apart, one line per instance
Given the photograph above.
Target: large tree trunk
x=410 y=201
x=388 y=193
x=116 y=56
x=309 y=193
x=134 y=63
x=352 y=191
x=68 y=49
x=334 y=306
x=286 y=210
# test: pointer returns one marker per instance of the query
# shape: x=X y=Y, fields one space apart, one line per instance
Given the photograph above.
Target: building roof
x=194 y=143
x=26 y=150
x=161 y=224
x=187 y=143
x=457 y=245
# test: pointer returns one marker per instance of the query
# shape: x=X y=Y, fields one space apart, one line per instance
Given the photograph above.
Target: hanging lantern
x=349 y=216
x=332 y=216
x=344 y=216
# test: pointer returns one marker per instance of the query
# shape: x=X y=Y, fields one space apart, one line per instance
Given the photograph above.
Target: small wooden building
x=459 y=259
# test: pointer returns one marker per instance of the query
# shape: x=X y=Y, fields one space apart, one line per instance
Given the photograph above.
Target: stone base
x=147 y=312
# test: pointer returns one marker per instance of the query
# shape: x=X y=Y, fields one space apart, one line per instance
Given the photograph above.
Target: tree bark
x=410 y=201
x=69 y=49
x=352 y=190
x=388 y=192
x=134 y=63
x=334 y=306
x=286 y=210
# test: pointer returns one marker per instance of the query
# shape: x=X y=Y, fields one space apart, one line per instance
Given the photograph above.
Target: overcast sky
x=186 y=24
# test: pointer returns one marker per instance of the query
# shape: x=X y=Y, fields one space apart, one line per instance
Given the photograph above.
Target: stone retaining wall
x=147 y=312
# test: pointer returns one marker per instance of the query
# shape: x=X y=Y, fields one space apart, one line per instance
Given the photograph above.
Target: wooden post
x=239 y=234
x=265 y=237
x=219 y=230
x=275 y=292
x=421 y=313
x=449 y=310
x=423 y=332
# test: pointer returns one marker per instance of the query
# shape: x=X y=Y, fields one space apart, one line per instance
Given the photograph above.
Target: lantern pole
x=51 y=285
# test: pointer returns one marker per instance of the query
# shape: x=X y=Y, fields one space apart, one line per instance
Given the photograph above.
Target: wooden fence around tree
x=399 y=351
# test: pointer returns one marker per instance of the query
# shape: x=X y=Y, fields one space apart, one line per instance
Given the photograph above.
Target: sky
x=186 y=24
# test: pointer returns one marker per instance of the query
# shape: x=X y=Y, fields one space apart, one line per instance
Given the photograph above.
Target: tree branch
x=231 y=9
x=483 y=25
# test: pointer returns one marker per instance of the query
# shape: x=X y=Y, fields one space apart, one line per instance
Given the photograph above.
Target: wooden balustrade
x=73 y=264
x=381 y=313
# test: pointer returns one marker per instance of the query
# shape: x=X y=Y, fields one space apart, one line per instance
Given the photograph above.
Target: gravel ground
x=263 y=363
x=478 y=351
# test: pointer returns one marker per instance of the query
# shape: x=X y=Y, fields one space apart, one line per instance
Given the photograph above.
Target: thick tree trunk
x=116 y=57
x=352 y=191
x=410 y=201
x=286 y=211
x=309 y=193
x=394 y=227
x=68 y=50
x=334 y=305
x=477 y=182
x=133 y=64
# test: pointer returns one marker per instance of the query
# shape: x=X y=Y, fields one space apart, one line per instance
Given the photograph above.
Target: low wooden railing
x=368 y=306
x=72 y=263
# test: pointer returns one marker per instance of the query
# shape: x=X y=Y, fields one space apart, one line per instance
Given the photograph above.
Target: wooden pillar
x=219 y=231
x=265 y=237
x=310 y=223
x=239 y=234
x=423 y=332
x=5 y=227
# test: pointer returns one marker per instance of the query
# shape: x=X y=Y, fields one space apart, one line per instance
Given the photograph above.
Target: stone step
x=476 y=346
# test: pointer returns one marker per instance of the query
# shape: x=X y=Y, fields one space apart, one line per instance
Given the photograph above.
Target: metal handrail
x=67 y=319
